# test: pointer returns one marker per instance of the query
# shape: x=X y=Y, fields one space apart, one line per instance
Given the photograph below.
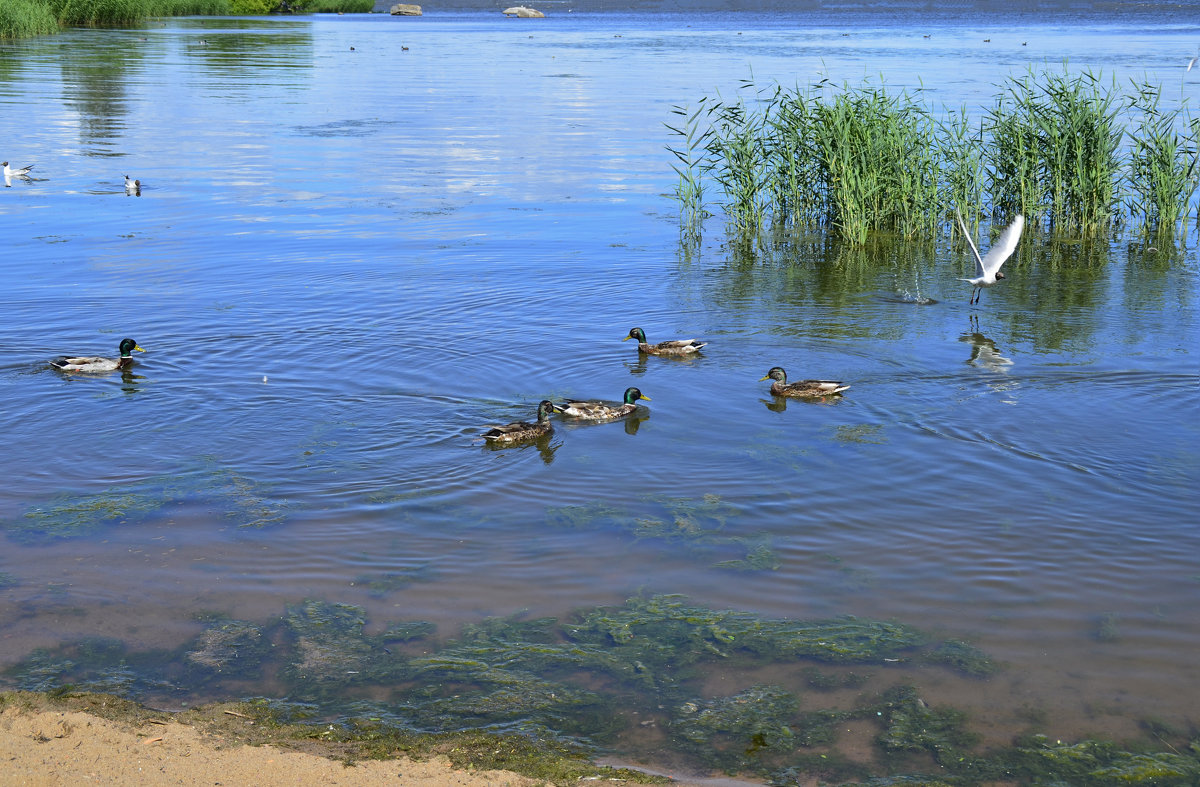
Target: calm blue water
x=350 y=258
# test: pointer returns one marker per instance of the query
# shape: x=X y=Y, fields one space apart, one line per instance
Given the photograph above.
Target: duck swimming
x=781 y=387
x=97 y=364
x=672 y=347
x=602 y=411
x=520 y=431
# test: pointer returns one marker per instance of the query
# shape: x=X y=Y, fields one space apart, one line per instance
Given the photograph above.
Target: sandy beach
x=97 y=739
x=49 y=748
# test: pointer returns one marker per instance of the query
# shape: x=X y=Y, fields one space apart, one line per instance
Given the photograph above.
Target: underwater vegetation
x=697 y=524
x=1069 y=152
x=541 y=695
x=241 y=499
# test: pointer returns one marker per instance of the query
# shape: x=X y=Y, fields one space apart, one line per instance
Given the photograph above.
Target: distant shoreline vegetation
x=29 y=18
x=1070 y=153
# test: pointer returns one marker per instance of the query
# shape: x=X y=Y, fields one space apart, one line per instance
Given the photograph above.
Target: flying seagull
x=987 y=269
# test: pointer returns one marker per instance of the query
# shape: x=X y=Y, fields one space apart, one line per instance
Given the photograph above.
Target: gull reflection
x=984 y=352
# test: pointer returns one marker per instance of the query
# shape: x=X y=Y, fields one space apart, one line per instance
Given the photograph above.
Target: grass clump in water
x=1054 y=152
x=1163 y=174
x=864 y=162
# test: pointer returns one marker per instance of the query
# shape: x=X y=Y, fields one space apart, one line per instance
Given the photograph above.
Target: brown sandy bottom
x=46 y=742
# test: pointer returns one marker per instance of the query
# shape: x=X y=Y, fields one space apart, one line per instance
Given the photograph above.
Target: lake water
x=362 y=239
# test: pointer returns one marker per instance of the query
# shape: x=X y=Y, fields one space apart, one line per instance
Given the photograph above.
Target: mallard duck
x=522 y=430
x=87 y=364
x=602 y=411
x=673 y=347
x=781 y=387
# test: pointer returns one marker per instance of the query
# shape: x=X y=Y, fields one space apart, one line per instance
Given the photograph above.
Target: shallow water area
x=362 y=240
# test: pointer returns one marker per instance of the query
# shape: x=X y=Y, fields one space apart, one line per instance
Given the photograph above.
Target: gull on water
x=987 y=269
x=133 y=186
x=22 y=172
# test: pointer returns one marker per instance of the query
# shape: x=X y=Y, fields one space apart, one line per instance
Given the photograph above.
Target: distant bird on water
x=22 y=172
x=987 y=269
x=133 y=187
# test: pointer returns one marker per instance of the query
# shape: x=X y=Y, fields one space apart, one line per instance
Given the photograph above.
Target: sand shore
x=49 y=748
x=50 y=742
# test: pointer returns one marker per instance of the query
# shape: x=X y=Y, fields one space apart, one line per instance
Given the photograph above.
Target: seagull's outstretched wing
x=1003 y=248
x=966 y=234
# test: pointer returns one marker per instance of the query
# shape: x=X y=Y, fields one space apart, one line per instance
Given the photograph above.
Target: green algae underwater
x=546 y=697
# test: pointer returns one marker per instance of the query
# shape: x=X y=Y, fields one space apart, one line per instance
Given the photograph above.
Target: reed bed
x=28 y=18
x=1058 y=148
x=338 y=7
x=25 y=19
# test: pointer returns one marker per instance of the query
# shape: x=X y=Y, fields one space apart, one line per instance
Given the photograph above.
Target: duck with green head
x=671 y=347
x=781 y=387
x=97 y=364
x=602 y=411
x=520 y=431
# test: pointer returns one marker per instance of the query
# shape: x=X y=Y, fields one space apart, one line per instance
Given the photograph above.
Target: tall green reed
x=960 y=152
x=877 y=166
x=97 y=13
x=737 y=161
x=793 y=169
x=860 y=160
x=337 y=6
x=1013 y=159
x=1163 y=173
x=1083 y=137
x=692 y=158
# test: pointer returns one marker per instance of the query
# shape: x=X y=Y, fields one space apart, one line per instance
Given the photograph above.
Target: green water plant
x=737 y=153
x=73 y=516
x=865 y=161
x=963 y=657
x=230 y=648
x=510 y=687
x=1163 y=175
x=331 y=651
x=737 y=731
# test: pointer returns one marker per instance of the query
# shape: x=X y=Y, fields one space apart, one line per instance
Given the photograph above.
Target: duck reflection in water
x=546 y=445
x=984 y=352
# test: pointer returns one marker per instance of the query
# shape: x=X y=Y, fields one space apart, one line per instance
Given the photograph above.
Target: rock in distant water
x=521 y=12
x=406 y=9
